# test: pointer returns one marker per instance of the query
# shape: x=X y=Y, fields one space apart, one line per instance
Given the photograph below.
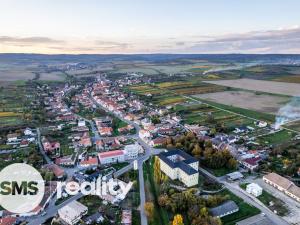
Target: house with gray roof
x=225 y=209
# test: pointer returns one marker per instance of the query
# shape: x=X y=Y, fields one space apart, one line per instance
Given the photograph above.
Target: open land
x=273 y=87
x=248 y=100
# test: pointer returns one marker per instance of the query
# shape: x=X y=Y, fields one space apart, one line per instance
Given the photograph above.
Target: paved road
x=41 y=148
x=144 y=220
x=235 y=189
x=52 y=209
x=148 y=152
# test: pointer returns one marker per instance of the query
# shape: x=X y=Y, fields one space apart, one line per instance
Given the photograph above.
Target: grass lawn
x=277 y=138
x=119 y=166
x=245 y=210
x=136 y=217
x=221 y=171
x=161 y=215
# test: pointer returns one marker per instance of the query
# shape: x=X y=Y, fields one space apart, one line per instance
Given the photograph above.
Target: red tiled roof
x=252 y=161
x=8 y=220
x=110 y=154
x=90 y=161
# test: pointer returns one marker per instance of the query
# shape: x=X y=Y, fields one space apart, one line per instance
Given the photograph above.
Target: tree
x=232 y=163
x=204 y=212
x=177 y=220
x=197 y=151
x=149 y=210
x=157 y=171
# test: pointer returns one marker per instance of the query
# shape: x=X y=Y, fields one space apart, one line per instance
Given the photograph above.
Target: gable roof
x=283 y=183
x=224 y=208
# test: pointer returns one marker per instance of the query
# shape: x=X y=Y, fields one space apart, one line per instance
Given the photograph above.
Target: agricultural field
x=293 y=125
x=249 y=100
x=15 y=74
x=52 y=76
x=289 y=79
x=189 y=87
x=276 y=138
x=207 y=115
x=272 y=87
x=12 y=102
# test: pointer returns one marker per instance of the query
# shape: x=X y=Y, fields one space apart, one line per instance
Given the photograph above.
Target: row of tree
x=202 y=150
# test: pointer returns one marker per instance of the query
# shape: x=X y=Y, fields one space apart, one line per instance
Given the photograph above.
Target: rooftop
x=110 y=154
x=224 y=208
x=183 y=160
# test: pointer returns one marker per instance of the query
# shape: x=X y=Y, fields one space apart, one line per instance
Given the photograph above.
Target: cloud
x=27 y=41
x=180 y=43
x=263 y=41
x=271 y=41
x=111 y=45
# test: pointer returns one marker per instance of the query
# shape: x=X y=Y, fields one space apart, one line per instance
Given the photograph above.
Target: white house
x=111 y=157
x=132 y=151
x=254 y=189
x=12 y=137
x=81 y=123
x=72 y=212
x=144 y=134
x=28 y=132
x=179 y=165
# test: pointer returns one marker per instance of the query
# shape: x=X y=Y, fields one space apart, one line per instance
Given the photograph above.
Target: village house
x=251 y=163
x=55 y=169
x=28 y=132
x=65 y=161
x=81 y=123
x=24 y=143
x=254 y=189
x=126 y=218
x=89 y=162
x=177 y=164
x=132 y=151
x=9 y=220
x=283 y=184
x=111 y=157
x=12 y=137
x=144 y=134
x=225 y=209
x=50 y=146
x=158 y=142
x=72 y=212
x=105 y=131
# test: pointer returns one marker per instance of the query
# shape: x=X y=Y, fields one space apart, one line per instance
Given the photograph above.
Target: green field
x=277 y=138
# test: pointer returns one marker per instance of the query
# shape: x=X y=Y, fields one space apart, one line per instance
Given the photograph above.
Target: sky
x=149 y=26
